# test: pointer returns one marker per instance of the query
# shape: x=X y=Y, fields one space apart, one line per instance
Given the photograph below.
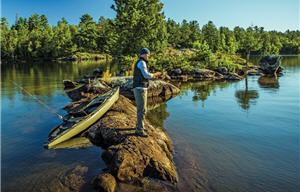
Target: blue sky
x=271 y=14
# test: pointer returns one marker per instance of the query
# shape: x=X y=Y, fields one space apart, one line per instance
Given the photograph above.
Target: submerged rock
x=130 y=158
x=73 y=180
x=105 y=182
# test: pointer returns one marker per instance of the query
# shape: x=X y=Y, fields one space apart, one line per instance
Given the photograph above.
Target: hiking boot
x=141 y=133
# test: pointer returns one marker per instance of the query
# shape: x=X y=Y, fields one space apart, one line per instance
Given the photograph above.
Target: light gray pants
x=140 y=95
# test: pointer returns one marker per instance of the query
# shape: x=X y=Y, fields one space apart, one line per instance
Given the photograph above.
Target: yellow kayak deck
x=74 y=125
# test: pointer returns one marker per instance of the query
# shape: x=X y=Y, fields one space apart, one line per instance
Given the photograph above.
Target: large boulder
x=86 y=90
x=175 y=72
x=98 y=72
x=222 y=70
x=130 y=158
x=203 y=74
x=156 y=87
x=270 y=64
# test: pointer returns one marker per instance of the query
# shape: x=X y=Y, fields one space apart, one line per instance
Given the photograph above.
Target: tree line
x=137 y=24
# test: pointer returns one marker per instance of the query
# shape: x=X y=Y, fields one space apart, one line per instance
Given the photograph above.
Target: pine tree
x=139 y=24
x=210 y=35
x=107 y=38
x=251 y=42
x=62 y=44
x=87 y=34
x=232 y=45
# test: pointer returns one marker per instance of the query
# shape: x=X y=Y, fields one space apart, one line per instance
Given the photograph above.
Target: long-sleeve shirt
x=143 y=67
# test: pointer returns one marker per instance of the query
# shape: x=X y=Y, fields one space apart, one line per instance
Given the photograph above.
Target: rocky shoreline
x=138 y=162
x=220 y=74
x=130 y=159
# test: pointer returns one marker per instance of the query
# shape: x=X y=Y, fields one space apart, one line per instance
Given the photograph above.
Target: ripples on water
x=237 y=136
x=227 y=137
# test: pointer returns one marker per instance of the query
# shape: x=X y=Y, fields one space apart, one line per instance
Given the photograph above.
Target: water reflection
x=246 y=98
x=292 y=62
x=158 y=114
x=268 y=82
x=203 y=89
x=233 y=149
x=42 y=79
x=74 y=143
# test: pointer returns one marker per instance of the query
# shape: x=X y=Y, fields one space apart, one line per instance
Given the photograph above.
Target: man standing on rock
x=141 y=77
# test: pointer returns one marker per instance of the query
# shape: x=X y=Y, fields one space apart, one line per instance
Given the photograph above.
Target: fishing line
x=38 y=100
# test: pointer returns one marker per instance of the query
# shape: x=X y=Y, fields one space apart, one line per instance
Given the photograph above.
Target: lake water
x=227 y=136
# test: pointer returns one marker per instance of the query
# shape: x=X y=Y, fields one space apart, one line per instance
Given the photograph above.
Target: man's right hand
x=157 y=75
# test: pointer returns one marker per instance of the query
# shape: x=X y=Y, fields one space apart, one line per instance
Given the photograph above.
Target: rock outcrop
x=157 y=88
x=221 y=73
x=130 y=158
x=270 y=64
x=86 y=90
x=204 y=74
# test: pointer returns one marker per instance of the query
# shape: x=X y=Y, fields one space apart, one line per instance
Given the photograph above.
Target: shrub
x=106 y=76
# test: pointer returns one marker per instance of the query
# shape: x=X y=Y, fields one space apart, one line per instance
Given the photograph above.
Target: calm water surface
x=233 y=137
x=227 y=136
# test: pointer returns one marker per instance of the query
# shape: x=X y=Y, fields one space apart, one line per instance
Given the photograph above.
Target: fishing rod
x=38 y=100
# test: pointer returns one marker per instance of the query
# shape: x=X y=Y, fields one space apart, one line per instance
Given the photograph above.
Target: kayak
x=77 y=121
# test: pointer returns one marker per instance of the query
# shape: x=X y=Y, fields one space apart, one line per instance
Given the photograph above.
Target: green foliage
x=183 y=35
x=87 y=34
x=210 y=35
x=200 y=57
x=231 y=62
x=251 y=41
x=83 y=56
x=107 y=37
x=203 y=53
x=139 y=24
x=62 y=42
